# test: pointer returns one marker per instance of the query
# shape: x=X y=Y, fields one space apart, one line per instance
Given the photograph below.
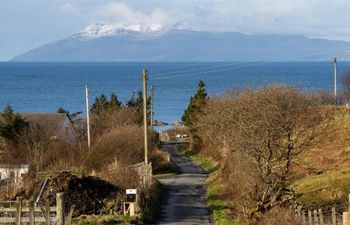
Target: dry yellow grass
x=321 y=175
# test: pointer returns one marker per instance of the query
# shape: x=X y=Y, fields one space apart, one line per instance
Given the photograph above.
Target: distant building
x=58 y=124
x=13 y=172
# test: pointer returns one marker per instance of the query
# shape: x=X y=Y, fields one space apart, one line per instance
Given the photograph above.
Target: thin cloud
x=311 y=18
x=70 y=8
x=116 y=12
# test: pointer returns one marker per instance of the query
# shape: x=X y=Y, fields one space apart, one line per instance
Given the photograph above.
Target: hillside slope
x=322 y=174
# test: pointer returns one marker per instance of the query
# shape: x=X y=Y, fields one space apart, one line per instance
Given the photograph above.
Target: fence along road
x=184 y=196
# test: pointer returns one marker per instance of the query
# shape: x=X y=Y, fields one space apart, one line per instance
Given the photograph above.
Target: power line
x=226 y=67
x=195 y=69
x=178 y=65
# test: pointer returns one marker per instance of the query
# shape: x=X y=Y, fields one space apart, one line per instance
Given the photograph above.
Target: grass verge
x=151 y=204
x=207 y=165
x=219 y=207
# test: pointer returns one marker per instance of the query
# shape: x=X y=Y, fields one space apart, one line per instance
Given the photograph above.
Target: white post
x=87 y=115
x=145 y=123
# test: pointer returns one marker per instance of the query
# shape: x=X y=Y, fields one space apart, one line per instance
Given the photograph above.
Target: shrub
x=261 y=131
x=279 y=216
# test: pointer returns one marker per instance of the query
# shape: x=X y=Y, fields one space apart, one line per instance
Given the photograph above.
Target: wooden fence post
x=349 y=204
x=320 y=214
x=334 y=216
x=60 y=209
x=68 y=218
x=310 y=217
x=299 y=211
x=346 y=218
x=303 y=217
x=31 y=214
x=19 y=211
x=315 y=218
x=47 y=212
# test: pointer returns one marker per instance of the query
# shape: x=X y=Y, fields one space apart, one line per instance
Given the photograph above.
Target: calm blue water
x=44 y=87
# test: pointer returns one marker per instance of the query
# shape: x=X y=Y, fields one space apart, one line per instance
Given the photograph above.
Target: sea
x=44 y=87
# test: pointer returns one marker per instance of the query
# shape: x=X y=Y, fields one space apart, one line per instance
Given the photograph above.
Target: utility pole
x=87 y=115
x=145 y=123
x=335 y=79
x=152 y=95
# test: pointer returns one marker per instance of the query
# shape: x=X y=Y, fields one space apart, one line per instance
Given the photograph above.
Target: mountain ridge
x=157 y=43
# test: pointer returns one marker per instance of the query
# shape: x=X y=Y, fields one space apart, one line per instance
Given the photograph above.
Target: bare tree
x=40 y=146
x=263 y=130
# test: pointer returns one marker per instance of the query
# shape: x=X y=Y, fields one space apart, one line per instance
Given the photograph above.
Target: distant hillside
x=139 y=43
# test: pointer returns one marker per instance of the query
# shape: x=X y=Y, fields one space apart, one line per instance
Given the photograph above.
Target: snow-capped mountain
x=139 y=42
x=101 y=30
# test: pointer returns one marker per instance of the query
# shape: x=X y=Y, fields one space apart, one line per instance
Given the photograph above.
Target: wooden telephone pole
x=152 y=105
x=335 y=79
x=87 y=115
x=145 y=123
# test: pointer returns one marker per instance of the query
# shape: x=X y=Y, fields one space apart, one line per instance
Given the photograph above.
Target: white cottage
x=13 y=171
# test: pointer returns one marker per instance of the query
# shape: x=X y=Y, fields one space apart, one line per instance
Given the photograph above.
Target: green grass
x=327 y=189
x=152 y=204
x=219 y=207
x=207 y=165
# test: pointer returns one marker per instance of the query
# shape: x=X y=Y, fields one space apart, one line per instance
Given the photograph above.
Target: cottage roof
x=53 y=119
x=14 y=166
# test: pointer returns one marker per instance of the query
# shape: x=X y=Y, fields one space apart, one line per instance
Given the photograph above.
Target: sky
x=26 y=24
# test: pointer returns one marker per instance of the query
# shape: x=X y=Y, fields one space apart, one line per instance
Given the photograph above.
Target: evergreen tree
x=114 y=103
x=62 y=110
x=137 y=102
x=11 y=124
x=100 y=105
x=195 y=105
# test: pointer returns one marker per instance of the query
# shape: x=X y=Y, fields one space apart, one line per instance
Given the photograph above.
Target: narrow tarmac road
x=184 y=200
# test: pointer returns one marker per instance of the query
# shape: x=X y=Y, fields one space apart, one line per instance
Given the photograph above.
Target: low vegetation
x=116 y=144
x=103 y=219
x=269 y=142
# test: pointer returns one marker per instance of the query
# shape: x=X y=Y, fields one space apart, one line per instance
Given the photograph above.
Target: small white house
x=15 y=172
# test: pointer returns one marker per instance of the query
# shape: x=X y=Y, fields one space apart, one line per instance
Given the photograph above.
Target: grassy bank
x=322 y=172
x=151 y=204
x=219 y=206
x=328 y=189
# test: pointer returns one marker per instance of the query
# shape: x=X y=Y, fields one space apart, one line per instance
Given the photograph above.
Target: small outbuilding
x=13 y=172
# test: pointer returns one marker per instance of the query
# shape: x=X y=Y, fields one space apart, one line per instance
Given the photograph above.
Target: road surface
x=184 y=200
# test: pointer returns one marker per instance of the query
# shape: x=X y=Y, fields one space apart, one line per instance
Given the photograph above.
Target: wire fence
x=325 y=216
